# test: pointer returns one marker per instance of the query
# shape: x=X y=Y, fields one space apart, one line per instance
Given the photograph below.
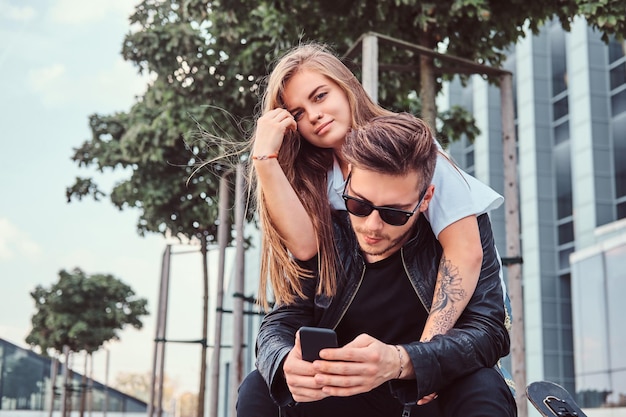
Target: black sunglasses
x=389 y=215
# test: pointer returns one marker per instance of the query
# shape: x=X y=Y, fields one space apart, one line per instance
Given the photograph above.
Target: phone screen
x=314 y=339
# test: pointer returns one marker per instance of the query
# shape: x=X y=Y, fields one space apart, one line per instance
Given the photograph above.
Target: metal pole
x=205 y=326
x=90 y=386
x=156 y=383
x=107 y=368
x=53 y=382
x=163 y=311
x=237 y=366
x=83 y=386
x=66 y=354
x=370 y=66
x=223 y=238
x=511 y=204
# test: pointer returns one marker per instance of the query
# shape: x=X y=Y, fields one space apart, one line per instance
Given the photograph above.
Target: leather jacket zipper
x=343 y=313
x=408 y=275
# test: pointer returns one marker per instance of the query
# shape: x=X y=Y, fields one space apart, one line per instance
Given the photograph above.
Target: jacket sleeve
x=276 y=338
x=479 y=338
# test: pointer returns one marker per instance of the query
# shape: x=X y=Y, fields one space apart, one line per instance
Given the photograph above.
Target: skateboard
x=551 y=400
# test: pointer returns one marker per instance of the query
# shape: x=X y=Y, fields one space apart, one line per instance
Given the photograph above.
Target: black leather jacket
x=479 y=338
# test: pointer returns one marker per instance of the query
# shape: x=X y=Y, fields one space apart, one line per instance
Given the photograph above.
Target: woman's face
x=320 y=107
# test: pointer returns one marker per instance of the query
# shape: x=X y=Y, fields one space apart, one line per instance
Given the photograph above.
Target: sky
x=60 y=61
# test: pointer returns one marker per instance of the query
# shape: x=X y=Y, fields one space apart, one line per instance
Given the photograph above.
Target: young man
x=389 y=260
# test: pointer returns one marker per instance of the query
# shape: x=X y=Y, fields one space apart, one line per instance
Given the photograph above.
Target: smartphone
x=314 y=339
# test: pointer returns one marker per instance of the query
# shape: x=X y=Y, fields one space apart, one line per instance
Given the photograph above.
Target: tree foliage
x=210 y=59
x=83 y=312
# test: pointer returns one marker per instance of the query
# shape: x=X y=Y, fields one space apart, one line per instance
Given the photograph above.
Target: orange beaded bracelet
x=264 y=157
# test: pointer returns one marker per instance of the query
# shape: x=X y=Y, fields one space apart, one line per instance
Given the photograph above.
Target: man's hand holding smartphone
x=365 y=362
x=300 y=374
x=359 y=366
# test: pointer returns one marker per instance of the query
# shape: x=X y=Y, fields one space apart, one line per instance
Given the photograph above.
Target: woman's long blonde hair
x=306 y=167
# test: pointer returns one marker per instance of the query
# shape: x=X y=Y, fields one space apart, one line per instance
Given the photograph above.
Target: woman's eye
x=297 y=115
x=320 y=96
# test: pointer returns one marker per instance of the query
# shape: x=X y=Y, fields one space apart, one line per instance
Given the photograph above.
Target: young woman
x=311 y=101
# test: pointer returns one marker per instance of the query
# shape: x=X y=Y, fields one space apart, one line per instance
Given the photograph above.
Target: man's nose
x=373 y=221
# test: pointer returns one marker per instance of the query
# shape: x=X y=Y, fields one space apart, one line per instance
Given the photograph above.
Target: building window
x=560 y=108
x=558 y=59
x=566 y=232
x=562 y=149
x=621 y=210
x=561 y=132
x=564 y=256
x=562 y=162
x=617 y=50
x=599 y=286
x=618 y=76
x=619 y=155
x=618 y=103
x=617 y=68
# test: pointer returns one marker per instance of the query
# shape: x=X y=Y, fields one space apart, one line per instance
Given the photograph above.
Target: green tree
x=83 y=312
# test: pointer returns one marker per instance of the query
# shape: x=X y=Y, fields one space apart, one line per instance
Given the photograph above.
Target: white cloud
x=44 y=79
x=14 y=242
x=82 y=12
x=16 y=13
x=113 y=88
x=10 y=37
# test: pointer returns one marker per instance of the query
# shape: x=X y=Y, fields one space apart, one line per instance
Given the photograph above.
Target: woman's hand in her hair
x=270 y=131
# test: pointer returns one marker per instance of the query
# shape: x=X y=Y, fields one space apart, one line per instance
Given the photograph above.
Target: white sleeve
x=457 y=195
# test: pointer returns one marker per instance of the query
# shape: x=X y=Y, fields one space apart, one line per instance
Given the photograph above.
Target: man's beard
x=393 y=244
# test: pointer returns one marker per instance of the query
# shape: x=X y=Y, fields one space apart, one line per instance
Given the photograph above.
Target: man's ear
x=430 y=191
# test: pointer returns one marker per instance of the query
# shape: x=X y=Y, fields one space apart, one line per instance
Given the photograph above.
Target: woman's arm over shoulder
x=452 y=212
x=457 y=277
x=479 y=338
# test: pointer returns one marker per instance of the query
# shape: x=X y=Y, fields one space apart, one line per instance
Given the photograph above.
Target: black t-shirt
x=386 y=306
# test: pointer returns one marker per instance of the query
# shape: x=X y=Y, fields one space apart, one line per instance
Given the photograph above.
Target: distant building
x=570 y=102
x=25 y=385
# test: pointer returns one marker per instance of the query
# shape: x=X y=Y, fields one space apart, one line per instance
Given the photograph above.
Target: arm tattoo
x=449 y=291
